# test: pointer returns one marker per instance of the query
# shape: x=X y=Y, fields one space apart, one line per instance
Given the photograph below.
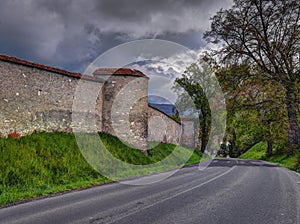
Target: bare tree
x=265 y=34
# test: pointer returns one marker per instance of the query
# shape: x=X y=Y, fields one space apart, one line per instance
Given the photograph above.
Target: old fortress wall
x=38 y=98
x=162 y=128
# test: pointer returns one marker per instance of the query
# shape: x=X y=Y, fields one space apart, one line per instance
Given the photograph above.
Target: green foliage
x=263 y=35
x=122 y=151
x=255 y=106
x=163 y=150
x=175 y=117
x=258 y=152
x=198 y=87
x=248 y=128
x=44 y=163
x=41 y=163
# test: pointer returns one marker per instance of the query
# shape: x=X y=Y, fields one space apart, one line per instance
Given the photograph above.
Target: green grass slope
x=45 y=163
x=258 y=152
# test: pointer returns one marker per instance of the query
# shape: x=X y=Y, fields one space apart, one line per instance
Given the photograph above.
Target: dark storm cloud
x=70 y=34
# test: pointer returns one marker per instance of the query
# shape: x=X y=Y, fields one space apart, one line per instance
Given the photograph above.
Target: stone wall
x=188 y=133
x=33 y=99
x=39 y=98
x=125 y=105
x=162 y=128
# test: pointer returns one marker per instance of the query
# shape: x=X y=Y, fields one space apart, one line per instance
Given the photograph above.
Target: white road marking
x=173 y=196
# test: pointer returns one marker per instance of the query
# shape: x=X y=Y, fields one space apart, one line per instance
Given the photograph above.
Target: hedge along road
x=228 y=191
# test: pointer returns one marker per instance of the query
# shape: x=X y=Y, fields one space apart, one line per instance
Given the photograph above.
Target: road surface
x=228 y=191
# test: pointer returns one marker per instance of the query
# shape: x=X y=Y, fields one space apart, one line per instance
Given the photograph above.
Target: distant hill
x=162 y=104
x=166 y=108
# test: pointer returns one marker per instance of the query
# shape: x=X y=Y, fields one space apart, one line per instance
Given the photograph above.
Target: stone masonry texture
x=33 y=99
x=162 y=128
x=38 y=98
x=125 y=107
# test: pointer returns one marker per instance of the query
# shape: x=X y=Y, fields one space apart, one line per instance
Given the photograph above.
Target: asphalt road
x=228 y=191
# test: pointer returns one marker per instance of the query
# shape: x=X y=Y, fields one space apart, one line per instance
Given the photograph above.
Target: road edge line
x=173 y=196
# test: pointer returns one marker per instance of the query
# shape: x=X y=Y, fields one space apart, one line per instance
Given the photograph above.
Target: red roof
x=118 y=71
x=186 y=119
x=99 y=71
x=44 y=67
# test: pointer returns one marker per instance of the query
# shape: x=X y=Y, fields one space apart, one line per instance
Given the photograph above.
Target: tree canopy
x=265 y=35
x=200 y=97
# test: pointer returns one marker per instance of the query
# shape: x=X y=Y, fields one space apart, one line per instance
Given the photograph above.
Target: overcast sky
x=70 y=34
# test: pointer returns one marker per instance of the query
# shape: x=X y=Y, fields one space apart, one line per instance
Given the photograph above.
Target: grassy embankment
x=45 y=163
x=258 y=152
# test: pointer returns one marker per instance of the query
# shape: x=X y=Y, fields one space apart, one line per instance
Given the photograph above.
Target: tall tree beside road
x=192 y=82
x=200 y=88
x=264 y=34
x=253 y=101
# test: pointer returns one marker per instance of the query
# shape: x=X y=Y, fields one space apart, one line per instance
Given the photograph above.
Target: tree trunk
x=293 y=132
x=205 y=125
x=270 y=148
